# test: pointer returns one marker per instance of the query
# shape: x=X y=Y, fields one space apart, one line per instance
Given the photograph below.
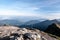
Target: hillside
x=12 y=22
x=16 y=33
x=54 y=29
x=31 y=22
x=41 y=25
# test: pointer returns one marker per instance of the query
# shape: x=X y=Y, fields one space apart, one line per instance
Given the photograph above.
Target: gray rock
x=15 y=33
x=32 y=36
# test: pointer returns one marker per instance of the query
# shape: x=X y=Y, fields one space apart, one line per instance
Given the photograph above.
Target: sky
x=49 y=9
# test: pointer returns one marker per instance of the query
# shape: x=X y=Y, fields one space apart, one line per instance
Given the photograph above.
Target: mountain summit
x=16 y=33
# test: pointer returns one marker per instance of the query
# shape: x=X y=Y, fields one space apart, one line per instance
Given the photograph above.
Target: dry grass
x=58 y=38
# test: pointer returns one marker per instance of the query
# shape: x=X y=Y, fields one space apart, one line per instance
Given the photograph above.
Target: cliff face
x=54 y=29
x=15 y=33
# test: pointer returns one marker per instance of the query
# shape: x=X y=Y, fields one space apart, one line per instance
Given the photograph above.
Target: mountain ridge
x=54 y=29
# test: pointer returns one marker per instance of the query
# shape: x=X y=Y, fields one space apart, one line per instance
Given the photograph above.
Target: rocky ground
x=16 y=33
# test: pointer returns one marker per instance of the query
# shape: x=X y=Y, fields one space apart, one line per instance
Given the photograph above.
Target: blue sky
x=49 y=9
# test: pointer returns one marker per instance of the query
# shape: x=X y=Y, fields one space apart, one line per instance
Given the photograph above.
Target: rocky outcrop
x=15 y=33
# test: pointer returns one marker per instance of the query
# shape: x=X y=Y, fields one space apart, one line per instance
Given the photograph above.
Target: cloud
x=17 y=13
x=49 y=9
x=53 y=16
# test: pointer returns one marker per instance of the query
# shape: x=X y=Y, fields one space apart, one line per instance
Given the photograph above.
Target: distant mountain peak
x=32 y=22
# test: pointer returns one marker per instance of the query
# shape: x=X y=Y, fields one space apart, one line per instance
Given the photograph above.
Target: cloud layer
x=49 y=9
